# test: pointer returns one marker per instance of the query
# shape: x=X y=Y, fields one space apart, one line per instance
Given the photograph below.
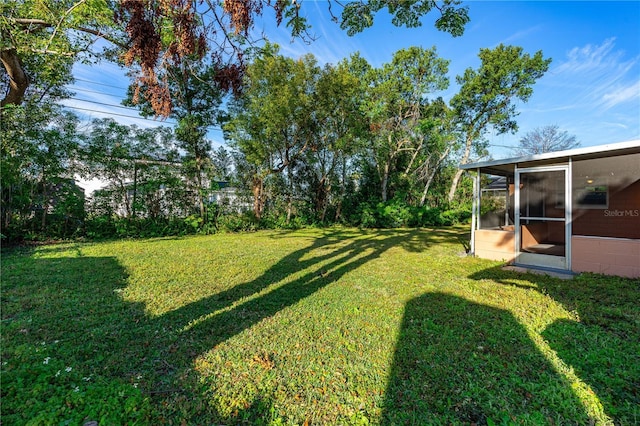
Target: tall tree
x=545 y=139
x=487 y=97
x=123 y=155
x=54 y=151
x=341 y=126
x=272 y=123
x=437 y=137
x=396 y=103
x=108 y=155
x=197 y=105
x=222 y=163
x=38 y=147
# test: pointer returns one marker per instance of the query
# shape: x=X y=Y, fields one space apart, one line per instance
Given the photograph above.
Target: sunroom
x=572 y=211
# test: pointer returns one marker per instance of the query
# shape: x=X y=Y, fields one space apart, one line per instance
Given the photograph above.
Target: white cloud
x=597 y=77
x=621 y=95
x=615 y=125
x=589 y=58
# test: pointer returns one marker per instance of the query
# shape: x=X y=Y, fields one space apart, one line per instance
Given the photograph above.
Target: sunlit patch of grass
x=335 y=326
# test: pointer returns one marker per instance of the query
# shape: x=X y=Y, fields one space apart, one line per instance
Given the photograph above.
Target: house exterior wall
x=606 y=228
x=605 y=210
x=600 y=255
x=610 y=256
x=495 y=244
x=606 y=197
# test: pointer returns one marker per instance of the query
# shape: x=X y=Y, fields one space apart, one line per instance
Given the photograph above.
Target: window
x=592 y=195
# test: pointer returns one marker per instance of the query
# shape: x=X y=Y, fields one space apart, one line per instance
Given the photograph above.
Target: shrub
x=194 y=221
x=393 y=214
x=238 y=222
x=455 y=216
x=99 y=227
x=366 y=217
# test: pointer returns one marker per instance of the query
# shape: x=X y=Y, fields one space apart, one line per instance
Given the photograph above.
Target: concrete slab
x=563 y=275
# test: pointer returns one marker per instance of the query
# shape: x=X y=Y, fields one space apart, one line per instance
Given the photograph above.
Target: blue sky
x=592 y=88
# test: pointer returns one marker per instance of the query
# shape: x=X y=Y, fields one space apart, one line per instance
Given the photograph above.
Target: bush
x=434 y=216
x=366 y=217
x=105 y=227
x=194 y=222
x=238 y=222
x=100 y=227
x=455 y=216
x=396 y=213
x=393 y=214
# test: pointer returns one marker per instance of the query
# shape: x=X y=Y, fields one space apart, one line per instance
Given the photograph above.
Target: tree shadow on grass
x=603 y=346
x=228 y=313
x=65 y=313
x=65 y=334
x=458 y=362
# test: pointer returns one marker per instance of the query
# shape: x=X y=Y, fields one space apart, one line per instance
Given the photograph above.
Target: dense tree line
x=306 y=144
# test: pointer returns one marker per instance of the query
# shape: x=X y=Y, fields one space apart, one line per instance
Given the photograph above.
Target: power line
x=113 y=113
x=100 y=84
x=106 y=104
x=501 y=146
x=109 y=113
x=82 y=89
x=138 y=117
x=115 y=106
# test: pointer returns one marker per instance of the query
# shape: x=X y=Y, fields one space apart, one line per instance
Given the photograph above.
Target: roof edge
x=576 y=152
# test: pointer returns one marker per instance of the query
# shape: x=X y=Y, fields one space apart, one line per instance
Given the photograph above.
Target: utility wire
x=122 y=115
x=100 y=84
x=82 y=89
x=113 y=105
x=105 y=104
x=112 y=113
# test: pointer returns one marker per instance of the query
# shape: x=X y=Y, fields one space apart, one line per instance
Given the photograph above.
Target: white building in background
x=229 y=197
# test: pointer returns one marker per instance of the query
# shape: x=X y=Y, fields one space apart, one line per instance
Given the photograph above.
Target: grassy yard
x=337 y=326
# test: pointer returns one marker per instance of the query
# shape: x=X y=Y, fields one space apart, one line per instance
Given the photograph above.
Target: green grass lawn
x=336 y=326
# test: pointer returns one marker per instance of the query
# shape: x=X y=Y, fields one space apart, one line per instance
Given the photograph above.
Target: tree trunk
x=343 y=189
x=458 y=175
x=423 y=199
x=320 y=197
x=257 y=189
x=324 y=200
x=7 y=201
x=45 y=202
x=289 y=208
x=18 y=80
x=413 y=158
x=385 y=180
x=289 y=194
x=454 y=184
x=432 y=174
x=200 y=188
x=125 y=196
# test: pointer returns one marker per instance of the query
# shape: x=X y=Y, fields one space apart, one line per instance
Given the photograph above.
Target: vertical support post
x=568 y=203
x=475 y=210
x=135 y=188
x=516 y=212
x=506 y=203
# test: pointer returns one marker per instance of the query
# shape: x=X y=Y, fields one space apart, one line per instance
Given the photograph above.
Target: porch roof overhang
x=507 y=166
